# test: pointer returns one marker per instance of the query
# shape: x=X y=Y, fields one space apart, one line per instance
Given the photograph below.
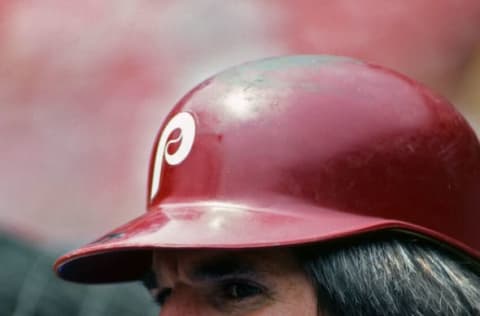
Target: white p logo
x=185 y=123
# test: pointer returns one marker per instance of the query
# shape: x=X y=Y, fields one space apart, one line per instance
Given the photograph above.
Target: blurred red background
x=85 y=85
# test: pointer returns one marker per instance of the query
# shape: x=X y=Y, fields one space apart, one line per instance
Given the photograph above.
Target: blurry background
x=84 y=86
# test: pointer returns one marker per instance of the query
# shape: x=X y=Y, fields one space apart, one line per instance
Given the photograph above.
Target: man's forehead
x=209 y=262
x=201 y=265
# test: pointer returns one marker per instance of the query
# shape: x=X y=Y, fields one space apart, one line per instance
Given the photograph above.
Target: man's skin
x=236 y=283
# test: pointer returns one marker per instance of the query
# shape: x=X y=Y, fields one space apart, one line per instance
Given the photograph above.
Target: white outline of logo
x=185 y=122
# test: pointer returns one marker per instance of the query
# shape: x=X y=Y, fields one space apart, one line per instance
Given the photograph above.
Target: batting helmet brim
x=125 y=253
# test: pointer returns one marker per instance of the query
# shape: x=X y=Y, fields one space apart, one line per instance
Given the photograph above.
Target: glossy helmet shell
x=296 y=150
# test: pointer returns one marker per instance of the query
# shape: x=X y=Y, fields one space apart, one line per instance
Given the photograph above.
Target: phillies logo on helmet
x=185 y=124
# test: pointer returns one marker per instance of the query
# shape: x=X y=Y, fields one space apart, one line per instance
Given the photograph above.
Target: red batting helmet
x=295 y=150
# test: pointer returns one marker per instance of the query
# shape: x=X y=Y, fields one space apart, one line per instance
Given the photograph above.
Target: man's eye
x=240 y=290
x=162 y=296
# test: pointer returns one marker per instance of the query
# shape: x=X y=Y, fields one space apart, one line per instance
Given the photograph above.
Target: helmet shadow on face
x=220 y=282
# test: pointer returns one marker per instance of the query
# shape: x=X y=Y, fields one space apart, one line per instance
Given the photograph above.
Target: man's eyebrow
x=220 y=268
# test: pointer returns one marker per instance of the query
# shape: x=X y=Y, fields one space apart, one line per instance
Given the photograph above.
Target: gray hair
x=391 y=277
